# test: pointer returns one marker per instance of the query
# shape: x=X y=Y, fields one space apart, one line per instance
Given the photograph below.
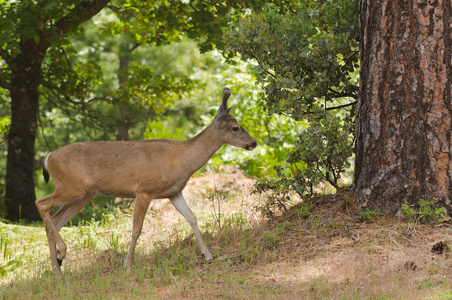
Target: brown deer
x=145 y=170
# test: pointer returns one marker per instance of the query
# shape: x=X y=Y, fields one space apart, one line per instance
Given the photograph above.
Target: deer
x=143 y=169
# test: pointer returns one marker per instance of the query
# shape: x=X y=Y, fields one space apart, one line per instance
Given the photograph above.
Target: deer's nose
x=251 y=146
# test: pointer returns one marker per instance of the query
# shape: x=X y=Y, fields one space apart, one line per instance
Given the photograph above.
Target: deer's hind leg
x=69 y=210
x=71 y=205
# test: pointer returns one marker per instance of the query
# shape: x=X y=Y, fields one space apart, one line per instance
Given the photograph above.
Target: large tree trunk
x=20 y=194
x=403 y=121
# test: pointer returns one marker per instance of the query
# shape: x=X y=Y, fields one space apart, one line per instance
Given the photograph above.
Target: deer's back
x=118 y=168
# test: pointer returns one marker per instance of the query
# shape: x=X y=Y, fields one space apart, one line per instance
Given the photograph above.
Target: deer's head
x=227 y=127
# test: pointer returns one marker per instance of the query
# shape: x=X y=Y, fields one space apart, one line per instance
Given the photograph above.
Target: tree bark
x=123 y=128
x=25 y=80
x=403 y=120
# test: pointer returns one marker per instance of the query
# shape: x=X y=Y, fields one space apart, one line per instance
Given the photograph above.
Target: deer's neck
x=200 y=149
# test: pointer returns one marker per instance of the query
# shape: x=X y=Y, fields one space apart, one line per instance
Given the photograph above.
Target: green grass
x=24 y=251
x=296 y=256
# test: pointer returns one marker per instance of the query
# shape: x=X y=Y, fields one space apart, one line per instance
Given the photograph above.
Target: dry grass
x=296 y=256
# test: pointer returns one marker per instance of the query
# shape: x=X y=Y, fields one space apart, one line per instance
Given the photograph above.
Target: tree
x=403 y=118
x=130 y=87
x=27 y=34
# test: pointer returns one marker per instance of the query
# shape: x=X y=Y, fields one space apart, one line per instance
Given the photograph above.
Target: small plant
x=369 y=215
x=425 y=284
x=331 y=228
x=273 y=237
x=425 y=213
x=410 y=212
x=315 y=220
x=305 y=209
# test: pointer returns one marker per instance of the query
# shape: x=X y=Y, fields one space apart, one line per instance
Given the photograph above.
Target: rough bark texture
x=403 y=122
x=19 y=194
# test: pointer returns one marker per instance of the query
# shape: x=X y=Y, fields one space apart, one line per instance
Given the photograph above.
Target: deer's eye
x=235 y=129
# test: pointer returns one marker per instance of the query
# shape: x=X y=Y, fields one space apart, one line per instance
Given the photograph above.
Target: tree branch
x=135 y=46
x=336 y=94
x=351 y=55
x=341 y=106
x=106 y=99
x=251 y=54
x=79 y=14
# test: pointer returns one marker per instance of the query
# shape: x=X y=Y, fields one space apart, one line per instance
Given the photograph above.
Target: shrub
x=321 y=154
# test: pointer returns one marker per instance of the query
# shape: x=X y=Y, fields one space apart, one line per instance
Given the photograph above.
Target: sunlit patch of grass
x=25 y=253
x=21 y=249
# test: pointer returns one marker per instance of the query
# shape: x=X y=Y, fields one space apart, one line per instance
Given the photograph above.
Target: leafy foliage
x=109 y=79
x=321 y=153
x=307 y=59
x=165 y=129
x=276 y=200
x=199 y=20
x=40 y=21
x=307 y=64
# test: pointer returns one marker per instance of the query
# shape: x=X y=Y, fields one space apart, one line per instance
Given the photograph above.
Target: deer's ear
x=222 y=118
x=224 y=103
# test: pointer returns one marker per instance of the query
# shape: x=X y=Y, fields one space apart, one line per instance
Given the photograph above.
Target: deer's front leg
x=182 y=207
